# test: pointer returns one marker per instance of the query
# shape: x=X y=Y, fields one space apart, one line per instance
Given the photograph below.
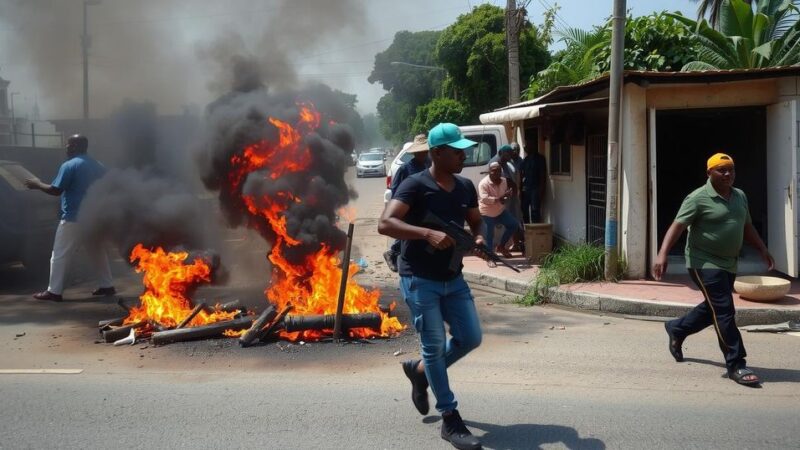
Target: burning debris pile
x=282 y=178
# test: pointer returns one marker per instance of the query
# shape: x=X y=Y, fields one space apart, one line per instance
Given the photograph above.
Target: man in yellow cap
x=718 y=219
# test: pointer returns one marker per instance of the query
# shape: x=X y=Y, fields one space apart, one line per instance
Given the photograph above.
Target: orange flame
x=313 y=286
x=167 y=279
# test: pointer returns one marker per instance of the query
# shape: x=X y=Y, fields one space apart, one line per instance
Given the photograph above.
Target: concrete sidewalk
x=671 y=297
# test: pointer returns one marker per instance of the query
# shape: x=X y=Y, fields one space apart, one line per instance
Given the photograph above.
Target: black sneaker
x=455 y=432
x=419 y=386
x=391 y=260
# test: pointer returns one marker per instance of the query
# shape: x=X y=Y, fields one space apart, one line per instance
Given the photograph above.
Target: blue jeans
x=432 y=303
x=509 y=223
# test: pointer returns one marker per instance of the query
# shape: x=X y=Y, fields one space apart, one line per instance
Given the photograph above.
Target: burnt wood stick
x=205 y=331
x=111 y=322
x=337 y=326
x=255 y=330
x=195 y=311
x=326 y=322
x=115 y=334
x=231 y=306
x=276 y=324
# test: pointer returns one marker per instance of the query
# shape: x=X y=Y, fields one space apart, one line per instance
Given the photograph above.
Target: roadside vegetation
x=570 y=263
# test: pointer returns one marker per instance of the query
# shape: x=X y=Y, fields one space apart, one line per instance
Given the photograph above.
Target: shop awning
x=516 y=113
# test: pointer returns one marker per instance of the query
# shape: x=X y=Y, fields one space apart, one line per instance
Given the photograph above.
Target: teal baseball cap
x=448 y=134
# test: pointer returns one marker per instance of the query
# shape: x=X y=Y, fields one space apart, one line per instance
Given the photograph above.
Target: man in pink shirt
x=493 y=194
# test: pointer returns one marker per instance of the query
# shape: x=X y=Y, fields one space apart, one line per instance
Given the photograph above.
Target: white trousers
x=65 y=244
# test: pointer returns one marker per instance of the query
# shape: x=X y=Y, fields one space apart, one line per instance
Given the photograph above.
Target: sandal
x=739 y=375
x=674 y=345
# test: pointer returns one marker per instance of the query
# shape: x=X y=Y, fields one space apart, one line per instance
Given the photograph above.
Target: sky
x=176 y=52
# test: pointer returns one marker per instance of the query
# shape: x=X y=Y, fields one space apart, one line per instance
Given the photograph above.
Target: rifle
x=465 y=242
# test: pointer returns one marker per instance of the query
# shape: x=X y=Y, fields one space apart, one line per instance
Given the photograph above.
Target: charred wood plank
x=110 y=323
x=337 y=323
x=254 y=332
x=205 y=331
x=117 y=333
x=327 y=322
x=277 y=324
x=195 y=311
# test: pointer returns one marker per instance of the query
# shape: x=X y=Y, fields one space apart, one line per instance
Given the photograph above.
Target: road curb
x=592 y=301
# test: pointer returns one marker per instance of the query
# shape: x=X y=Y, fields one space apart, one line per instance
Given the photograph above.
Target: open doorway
x=684 y=141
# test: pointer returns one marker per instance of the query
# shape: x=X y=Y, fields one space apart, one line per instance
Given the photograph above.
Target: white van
x=489 y=139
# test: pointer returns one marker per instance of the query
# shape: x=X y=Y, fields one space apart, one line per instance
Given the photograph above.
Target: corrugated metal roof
x=703 y=76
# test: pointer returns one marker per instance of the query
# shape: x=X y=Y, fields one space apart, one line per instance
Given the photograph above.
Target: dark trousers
x=717 y=310
x=531 y=207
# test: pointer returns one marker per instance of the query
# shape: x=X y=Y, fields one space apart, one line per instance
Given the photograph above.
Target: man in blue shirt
x=432 y=285
x=417 y=164
x=74 y=177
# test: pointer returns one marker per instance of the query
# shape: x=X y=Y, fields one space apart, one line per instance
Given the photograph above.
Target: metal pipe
x=337 y=329
x=612 y=173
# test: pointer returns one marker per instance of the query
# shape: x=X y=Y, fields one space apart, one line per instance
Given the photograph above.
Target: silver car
x=370 y=164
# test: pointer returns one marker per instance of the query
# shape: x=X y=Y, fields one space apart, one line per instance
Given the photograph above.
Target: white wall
x=633 y=217
x=565 y=205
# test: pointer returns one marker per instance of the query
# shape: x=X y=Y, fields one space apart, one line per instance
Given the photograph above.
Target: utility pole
x=13 y=119
x=515 y=17
x=85 y=44
x=612 y=174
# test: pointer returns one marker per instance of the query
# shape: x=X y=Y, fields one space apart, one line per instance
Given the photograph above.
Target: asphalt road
x=544 y=378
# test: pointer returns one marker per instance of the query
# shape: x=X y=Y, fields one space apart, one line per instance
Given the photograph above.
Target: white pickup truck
x=489 y=139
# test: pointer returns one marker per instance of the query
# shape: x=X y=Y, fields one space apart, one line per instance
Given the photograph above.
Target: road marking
x=39 y=371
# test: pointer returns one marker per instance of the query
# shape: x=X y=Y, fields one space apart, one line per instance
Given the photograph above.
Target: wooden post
x=195 y=311
x=255 y=330
x=337 y=328
x=204 y=331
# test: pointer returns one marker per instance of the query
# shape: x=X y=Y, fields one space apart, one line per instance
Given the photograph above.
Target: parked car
x=370 y=164
x=489 y=139
x=28 y=225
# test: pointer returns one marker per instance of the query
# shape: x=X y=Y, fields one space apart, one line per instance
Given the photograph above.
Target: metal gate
x=596 y=189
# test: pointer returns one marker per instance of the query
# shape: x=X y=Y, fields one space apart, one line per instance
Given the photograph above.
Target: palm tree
x=766 y=37
x=713 y=6
x=573 y=64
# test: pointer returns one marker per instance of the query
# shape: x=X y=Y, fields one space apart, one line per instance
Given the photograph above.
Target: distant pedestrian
x=493 y=196
x=505 y=156
x=533 y=186
x=432 y=285
x=419 y=162
x=718 y=218
x=73 y=180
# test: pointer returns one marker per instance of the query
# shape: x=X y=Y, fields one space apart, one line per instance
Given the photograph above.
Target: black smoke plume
x=239 y=119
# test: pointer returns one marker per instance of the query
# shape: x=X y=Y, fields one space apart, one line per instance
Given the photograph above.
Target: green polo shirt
x=716 y=227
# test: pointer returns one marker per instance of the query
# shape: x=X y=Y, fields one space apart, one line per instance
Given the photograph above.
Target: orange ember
x=313 y=286
x=167 y=279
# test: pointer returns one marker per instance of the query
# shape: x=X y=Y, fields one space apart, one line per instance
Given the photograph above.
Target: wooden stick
x=110 y=322
x=253 y=333
x=205 y=331
x=115 y=334
x=337 y=326
x=195 y=311
x=276 y=324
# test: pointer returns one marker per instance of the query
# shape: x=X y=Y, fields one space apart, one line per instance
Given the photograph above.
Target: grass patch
x=570 y=263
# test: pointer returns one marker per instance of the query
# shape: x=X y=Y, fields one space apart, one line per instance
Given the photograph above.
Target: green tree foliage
x=657 y=42
x=436 y=111
x=473 y=50
x=396 y=117
x=407 y=86
x=766 y=34
x=712 y=7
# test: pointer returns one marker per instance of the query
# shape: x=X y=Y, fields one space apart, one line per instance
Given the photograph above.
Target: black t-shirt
x=421 y=193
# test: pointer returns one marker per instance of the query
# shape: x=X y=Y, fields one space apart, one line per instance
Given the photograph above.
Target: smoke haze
x=167 y=51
